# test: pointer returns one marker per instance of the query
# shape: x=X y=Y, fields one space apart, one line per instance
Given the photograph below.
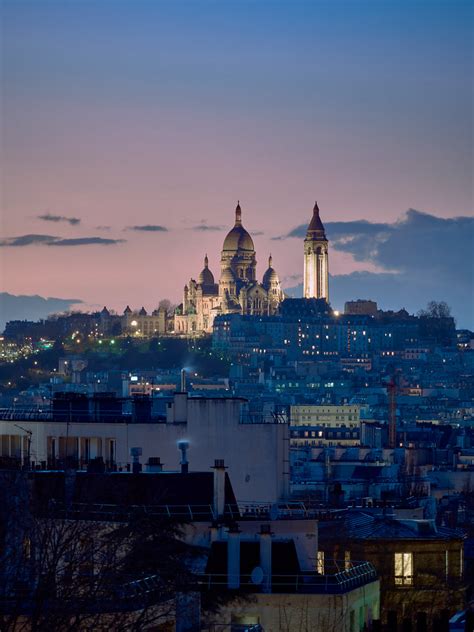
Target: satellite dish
x=274 y=513
x=256 y=576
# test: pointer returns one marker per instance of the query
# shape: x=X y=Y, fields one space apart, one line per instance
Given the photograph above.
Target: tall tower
x=316 y=271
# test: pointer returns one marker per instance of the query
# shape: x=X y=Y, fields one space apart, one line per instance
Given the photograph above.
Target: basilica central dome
x=238 y=238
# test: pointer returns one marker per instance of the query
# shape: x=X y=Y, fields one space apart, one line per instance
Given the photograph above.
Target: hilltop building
x=237 y=292
x=140 y=323
x=360 y=307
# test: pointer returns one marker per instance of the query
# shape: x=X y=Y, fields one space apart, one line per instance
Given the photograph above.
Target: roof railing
x=340 y=581
x=195 y=512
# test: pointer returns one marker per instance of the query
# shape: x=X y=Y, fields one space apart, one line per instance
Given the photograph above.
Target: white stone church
x=238 y=290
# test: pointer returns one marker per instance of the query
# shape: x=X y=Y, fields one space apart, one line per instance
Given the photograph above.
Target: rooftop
x=358 y=525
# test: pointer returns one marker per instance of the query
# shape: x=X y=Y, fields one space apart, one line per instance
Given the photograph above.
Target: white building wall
x=257 y=455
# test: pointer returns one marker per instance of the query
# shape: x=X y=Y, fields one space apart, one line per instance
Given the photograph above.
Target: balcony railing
x=339 y=577
x=336 y=579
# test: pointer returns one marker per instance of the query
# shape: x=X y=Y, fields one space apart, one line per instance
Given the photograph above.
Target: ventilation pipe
x=219 y=488
x=233 y=558
x=266 y=557
x=183 y=447
x=136 y=453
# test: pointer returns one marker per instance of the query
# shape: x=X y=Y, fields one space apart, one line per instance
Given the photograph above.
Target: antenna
x=28 y=444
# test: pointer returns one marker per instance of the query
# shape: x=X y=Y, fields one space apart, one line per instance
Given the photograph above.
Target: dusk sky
x=130 y=129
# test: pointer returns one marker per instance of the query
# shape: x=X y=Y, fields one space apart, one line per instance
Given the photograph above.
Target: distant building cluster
x=308 y=328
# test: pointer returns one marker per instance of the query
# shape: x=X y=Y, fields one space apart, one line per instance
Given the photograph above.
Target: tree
x=67 y=569
x=167 y=305
x=436 y=323
x=435 y=309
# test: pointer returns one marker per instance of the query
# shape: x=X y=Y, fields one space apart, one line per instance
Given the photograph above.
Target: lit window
x=320 y=563
x=403 y=569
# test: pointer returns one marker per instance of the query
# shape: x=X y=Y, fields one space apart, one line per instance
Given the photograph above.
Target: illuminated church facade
x=238 y=291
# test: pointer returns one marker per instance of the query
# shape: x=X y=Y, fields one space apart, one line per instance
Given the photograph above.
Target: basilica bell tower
x=316 y=271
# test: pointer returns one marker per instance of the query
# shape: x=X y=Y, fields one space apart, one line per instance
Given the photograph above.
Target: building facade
x=143 y=324
x=325 y=415
x=79 y=430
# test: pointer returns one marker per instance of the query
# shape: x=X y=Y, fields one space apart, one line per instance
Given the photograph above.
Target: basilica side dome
x=206 y=278
x=270 y=277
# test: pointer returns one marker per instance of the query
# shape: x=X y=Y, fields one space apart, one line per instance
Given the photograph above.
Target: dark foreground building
x=166 y=551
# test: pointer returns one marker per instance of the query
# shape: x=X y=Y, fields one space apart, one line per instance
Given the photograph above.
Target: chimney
x=183 y=447
x=183 y=380
x=136 y=453
x=213 y=531
x=69 y=485
x=179 y=409
x=219 y=488
x=154 y=464
x=233 y=558
x=266 y=557
x=188 y=611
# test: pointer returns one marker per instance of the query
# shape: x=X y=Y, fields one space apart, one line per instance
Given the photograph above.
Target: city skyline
x=137 y=130
x=237 y=315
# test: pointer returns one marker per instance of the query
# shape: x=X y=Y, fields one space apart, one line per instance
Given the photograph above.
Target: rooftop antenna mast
x=29 y=434
x=392 y=412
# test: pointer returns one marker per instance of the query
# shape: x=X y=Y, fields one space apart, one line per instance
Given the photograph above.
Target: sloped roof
x=315 y=228
x=358 y=525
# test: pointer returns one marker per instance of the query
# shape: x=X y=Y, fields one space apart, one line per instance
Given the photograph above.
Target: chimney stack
x=266 y=557
x=183 y=447
x=233 y=558
x=219 y=488
x=183 y=380
x=154 y=464
x=136 y=453
x=213 y=531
